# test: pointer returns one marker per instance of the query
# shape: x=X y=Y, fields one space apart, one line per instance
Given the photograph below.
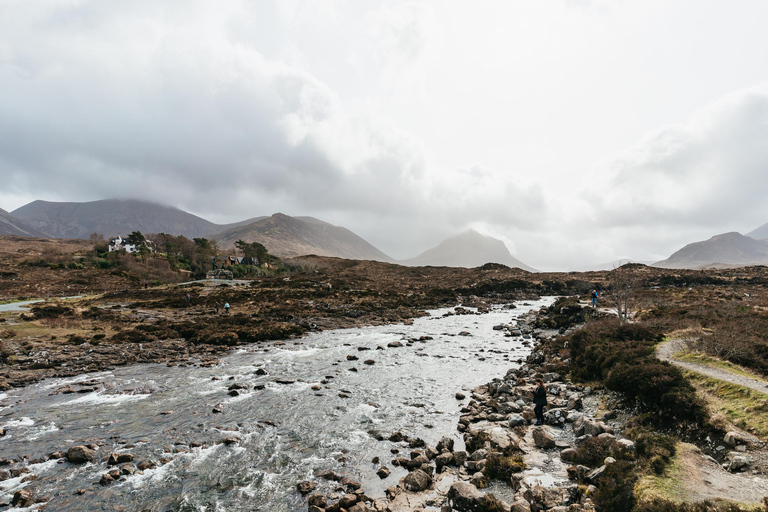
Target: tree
x=96 y=237
x=622 y=288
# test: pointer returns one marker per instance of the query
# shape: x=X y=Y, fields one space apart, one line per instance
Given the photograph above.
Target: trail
x=665 y=351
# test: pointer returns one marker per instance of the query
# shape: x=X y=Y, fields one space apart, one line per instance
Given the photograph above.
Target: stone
x=542 y=438
x=394 y=344
x=737 y=461
x=417 y=480
x=460 y=396
x=306 y=486
x=479 y=480
x=626 y=445
x=317 y=500
x=520 y=506
x=567 y=454
x=347 y=500
x=733 y=438
x=445 y=444
x=516 y=420
x=594 y=475
x=463 y=496
x=383 y=472
x=444 y=459
x=359 y=507
x=574 y=403
x=555 y=416
x=81 y=454
x=459 y=457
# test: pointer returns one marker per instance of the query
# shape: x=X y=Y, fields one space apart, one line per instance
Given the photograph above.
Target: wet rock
x=127 y=469
x=733 y=439
x=398 y=437
x=145 y=465
x=556 y=416
x=317 y=500
x=460 y=396
x=542 y=438
x=23 y=498
x=119 y=458
x=352 y=358
x=218 y=409
x=359 y=507
x=383 y=472
x=81 y=454
x=520 y=506
x=260 y=371
x=328 y=475
x=567 y=454
x=460 y=457
x=417 y=481
x=350 y=484
x=444 y=459
x=463 y=496
x=737 y=462
x=285 y=381
x=394 y=344
x=229 y=441
x=369 y=362
x=445 y=444
x=306 y=486
x=479 y=480
x=347 y=500
x=575 y=403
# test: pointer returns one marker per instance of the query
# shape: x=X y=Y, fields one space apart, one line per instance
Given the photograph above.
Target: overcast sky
x=576 y=131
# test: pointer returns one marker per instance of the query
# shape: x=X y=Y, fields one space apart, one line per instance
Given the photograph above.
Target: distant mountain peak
x=729 y=249
x=467 y=249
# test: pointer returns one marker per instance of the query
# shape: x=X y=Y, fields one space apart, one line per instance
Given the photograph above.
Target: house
x=239 y=260
x=119 y=243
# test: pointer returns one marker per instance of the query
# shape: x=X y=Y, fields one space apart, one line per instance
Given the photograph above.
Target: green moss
x=742 y=406
x=713 y=362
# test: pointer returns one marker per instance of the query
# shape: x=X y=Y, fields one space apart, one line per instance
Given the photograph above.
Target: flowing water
x=286 y=430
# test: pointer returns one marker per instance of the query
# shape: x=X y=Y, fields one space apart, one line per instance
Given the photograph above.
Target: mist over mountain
x=287 y=236
x=111 y=217
x=12 y=225
x=469 y=249
x=727 y=249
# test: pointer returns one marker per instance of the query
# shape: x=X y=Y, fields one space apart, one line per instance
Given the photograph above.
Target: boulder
x=542 y=438
x=306 y=486
x=520 y=506
x=359 y=507
x=733 y=439
x=626 y=445
x=516 y=420
x=383 y=472
x=81 y=454
x=445 y=444
x=567 y=454
x=417 y=480
x=444 y=459
x=463 y=496
x=555 y=416
x=347 y=500
x=317 y=500
x=594 y=475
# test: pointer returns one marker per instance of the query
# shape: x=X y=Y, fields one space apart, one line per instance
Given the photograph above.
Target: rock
x=459 y=457
x=608 y=461
x=584 y=426
x=398 y=437
x=119 y=458
x=306 y=487
x=733 y=438
x=520 y=506
x=444 y=459
x=328 y=475
x=394 y=344
x=369 y=362
x=383 y=472
x=542 y=438
x=317 y=500
x=218 y=409
x=460 y=396
x=479 y=480
x=347 y=500
x=359 y=507
x=417 y=480
x=550 y=377
x=445 y=444
x=556 y=416
x=499 y=327
x=351 y=358
x=737 y=461
x=567 y=454
x=575 y=403
x=594 y=475
x=81 y=454
x=479 y=454
x=626 y=445
x=350 y=484
x=463 y=496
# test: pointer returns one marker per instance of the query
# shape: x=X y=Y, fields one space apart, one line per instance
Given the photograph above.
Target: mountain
x=469 y=249
x=760 y=233
x=615 y=264
x=11 y=225
x=728 y=249
x=287 y=236
x=111 y=217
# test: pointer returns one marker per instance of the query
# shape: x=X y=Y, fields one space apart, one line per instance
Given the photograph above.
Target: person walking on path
x=226 y=308
x=594 y=298
x=539 y=400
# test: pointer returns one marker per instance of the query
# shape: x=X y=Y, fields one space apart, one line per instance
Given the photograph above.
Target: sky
x=577 y=131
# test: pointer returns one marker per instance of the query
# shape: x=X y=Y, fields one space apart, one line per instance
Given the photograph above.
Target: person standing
x=540 y=401
x=594 y=298
x=226 y=308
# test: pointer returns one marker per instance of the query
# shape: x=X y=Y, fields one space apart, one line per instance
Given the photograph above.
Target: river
x=286 y=430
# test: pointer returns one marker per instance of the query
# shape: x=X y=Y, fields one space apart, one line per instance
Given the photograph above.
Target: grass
x=668 y=486
x=713 y=362
x=671 y=486
x=744 y=407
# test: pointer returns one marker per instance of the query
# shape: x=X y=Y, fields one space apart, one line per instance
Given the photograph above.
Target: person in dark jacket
x=539 y=400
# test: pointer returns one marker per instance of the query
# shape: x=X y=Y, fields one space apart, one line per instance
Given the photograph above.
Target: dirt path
x=666 y=350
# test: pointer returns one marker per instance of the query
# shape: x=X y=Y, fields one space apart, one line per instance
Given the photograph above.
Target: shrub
x=503 y=467
x=615 y=492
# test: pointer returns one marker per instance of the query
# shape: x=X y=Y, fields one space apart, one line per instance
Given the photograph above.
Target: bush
x=594 y=450
x=503 y=467
x=615 y=492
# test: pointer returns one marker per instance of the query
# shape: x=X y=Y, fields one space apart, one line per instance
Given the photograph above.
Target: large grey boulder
x=542 y=438
x=81 y=454
x=463 y=496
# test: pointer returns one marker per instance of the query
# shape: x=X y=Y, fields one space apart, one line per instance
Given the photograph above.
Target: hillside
x=287 y=236
x=469 y=249
x=11 y=225
x=727 y=249
x=760 y=233
x=111 y=217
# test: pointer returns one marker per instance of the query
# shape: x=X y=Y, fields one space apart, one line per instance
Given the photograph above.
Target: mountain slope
x=733 y=249
x=287 y=236
x=11 y=225
x=111 y=217
x=469 y=249
x=760 y=233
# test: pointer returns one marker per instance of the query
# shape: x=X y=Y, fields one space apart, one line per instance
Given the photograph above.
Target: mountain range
x=282 y=235
x=728 y=249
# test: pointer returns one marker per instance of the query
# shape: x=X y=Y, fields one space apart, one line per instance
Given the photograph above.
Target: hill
x=287 y=236
x=727 y=249
x=760 y=233
x=111 y=217
x=12 y=225
x=469 y=249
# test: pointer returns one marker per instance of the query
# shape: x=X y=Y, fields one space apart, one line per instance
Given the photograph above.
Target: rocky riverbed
x=247 y=428
x=506 y=463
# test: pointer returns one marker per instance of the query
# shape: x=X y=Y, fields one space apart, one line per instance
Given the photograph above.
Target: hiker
x=226 y=308
x=330 y=288
x=188 y=298
x=594 y=298
x=540 y=400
